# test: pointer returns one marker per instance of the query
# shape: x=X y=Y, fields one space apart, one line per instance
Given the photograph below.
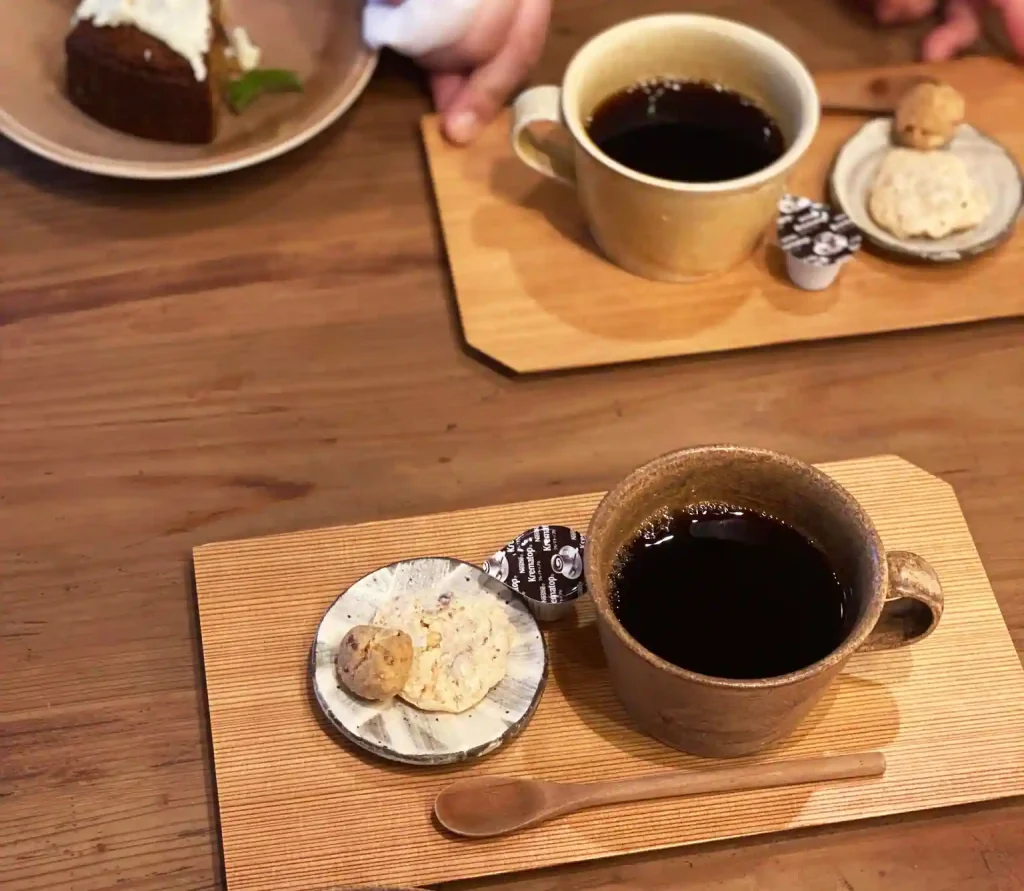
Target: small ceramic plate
x=991 y=165
x=319 y=39
x=398 y=731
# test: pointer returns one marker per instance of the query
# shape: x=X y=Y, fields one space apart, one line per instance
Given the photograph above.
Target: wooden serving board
x=534 y=294
x=302 y=811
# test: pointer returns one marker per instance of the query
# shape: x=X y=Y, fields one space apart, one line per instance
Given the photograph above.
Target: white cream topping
x=184 y=25
x=244 y=50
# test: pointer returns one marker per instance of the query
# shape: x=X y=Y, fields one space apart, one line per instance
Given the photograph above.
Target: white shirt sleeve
x=417 y=27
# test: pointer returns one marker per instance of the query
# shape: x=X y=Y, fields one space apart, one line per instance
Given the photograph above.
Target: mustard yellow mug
x=656 y=228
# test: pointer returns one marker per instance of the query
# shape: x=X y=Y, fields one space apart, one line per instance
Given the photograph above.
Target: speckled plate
x=991 y=165
x=398 y=731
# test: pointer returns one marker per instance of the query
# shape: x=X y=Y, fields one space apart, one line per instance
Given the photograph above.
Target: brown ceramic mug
x=897 y=595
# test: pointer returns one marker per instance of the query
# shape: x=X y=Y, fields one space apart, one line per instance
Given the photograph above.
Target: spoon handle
x=730 y=779
x=877 y=96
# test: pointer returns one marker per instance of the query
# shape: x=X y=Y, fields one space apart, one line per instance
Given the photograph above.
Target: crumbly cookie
x=928 y=115
x=374 y=663
x=930 y=194
x=461 y=647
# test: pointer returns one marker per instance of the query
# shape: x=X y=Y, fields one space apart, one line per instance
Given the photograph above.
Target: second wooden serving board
x=534 y=294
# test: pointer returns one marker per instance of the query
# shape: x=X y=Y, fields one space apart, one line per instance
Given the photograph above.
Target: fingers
x=444 y=87
x=961 y=28
x=1012 y=12
x=895 y=12
x=489 y=87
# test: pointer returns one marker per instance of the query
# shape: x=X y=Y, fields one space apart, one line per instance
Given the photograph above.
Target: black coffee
x=730 y=593
x=686 y=131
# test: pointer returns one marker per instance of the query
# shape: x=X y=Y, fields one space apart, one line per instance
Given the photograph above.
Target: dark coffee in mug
x=686 y=131
x=730 y=593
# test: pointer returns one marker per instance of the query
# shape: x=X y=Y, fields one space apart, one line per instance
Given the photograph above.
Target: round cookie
x=374 y=663
x=928 y=115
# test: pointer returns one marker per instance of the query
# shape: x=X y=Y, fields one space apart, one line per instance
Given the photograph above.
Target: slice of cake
x=151 y=68
x=162 y=69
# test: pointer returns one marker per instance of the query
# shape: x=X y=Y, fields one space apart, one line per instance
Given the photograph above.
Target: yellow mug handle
x=535 y=106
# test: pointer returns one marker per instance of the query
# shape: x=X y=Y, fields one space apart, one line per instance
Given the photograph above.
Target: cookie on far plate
x=968 y=232
x=928 y=116
x=926 y=194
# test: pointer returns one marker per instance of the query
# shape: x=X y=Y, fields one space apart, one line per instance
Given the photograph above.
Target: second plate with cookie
x=926 y=185
x=933 y=210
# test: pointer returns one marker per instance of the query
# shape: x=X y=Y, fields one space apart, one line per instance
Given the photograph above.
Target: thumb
x=961 y=28
x=445 y=87
x=488 y=88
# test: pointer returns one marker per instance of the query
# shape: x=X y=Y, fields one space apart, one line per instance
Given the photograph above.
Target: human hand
x=962 y=21
x=474 y=74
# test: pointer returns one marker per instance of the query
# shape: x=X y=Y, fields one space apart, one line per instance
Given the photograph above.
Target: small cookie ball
x=927 y=116
x=374 y=663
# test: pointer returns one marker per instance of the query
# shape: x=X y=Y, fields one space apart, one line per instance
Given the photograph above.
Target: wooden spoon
x=878 y=96
x=481 y=807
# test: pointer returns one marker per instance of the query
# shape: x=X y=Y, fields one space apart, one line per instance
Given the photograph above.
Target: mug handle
x=541 y=105
x=913 y=605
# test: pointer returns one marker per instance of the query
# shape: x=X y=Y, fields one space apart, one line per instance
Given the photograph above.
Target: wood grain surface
x=275 y=351
x=948 y=713
x=535 y=294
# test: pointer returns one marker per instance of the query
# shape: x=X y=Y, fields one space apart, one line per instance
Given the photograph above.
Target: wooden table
x=275 y=350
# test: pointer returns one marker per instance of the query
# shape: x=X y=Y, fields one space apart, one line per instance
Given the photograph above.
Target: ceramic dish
x=321 y=40
x=398 y=731
x=988 y=162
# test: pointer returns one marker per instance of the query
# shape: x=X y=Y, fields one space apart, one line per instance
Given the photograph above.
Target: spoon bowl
x=482 y=807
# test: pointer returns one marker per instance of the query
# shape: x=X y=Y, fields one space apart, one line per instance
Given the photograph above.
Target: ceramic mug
x=897 y=595
x=657 y=228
